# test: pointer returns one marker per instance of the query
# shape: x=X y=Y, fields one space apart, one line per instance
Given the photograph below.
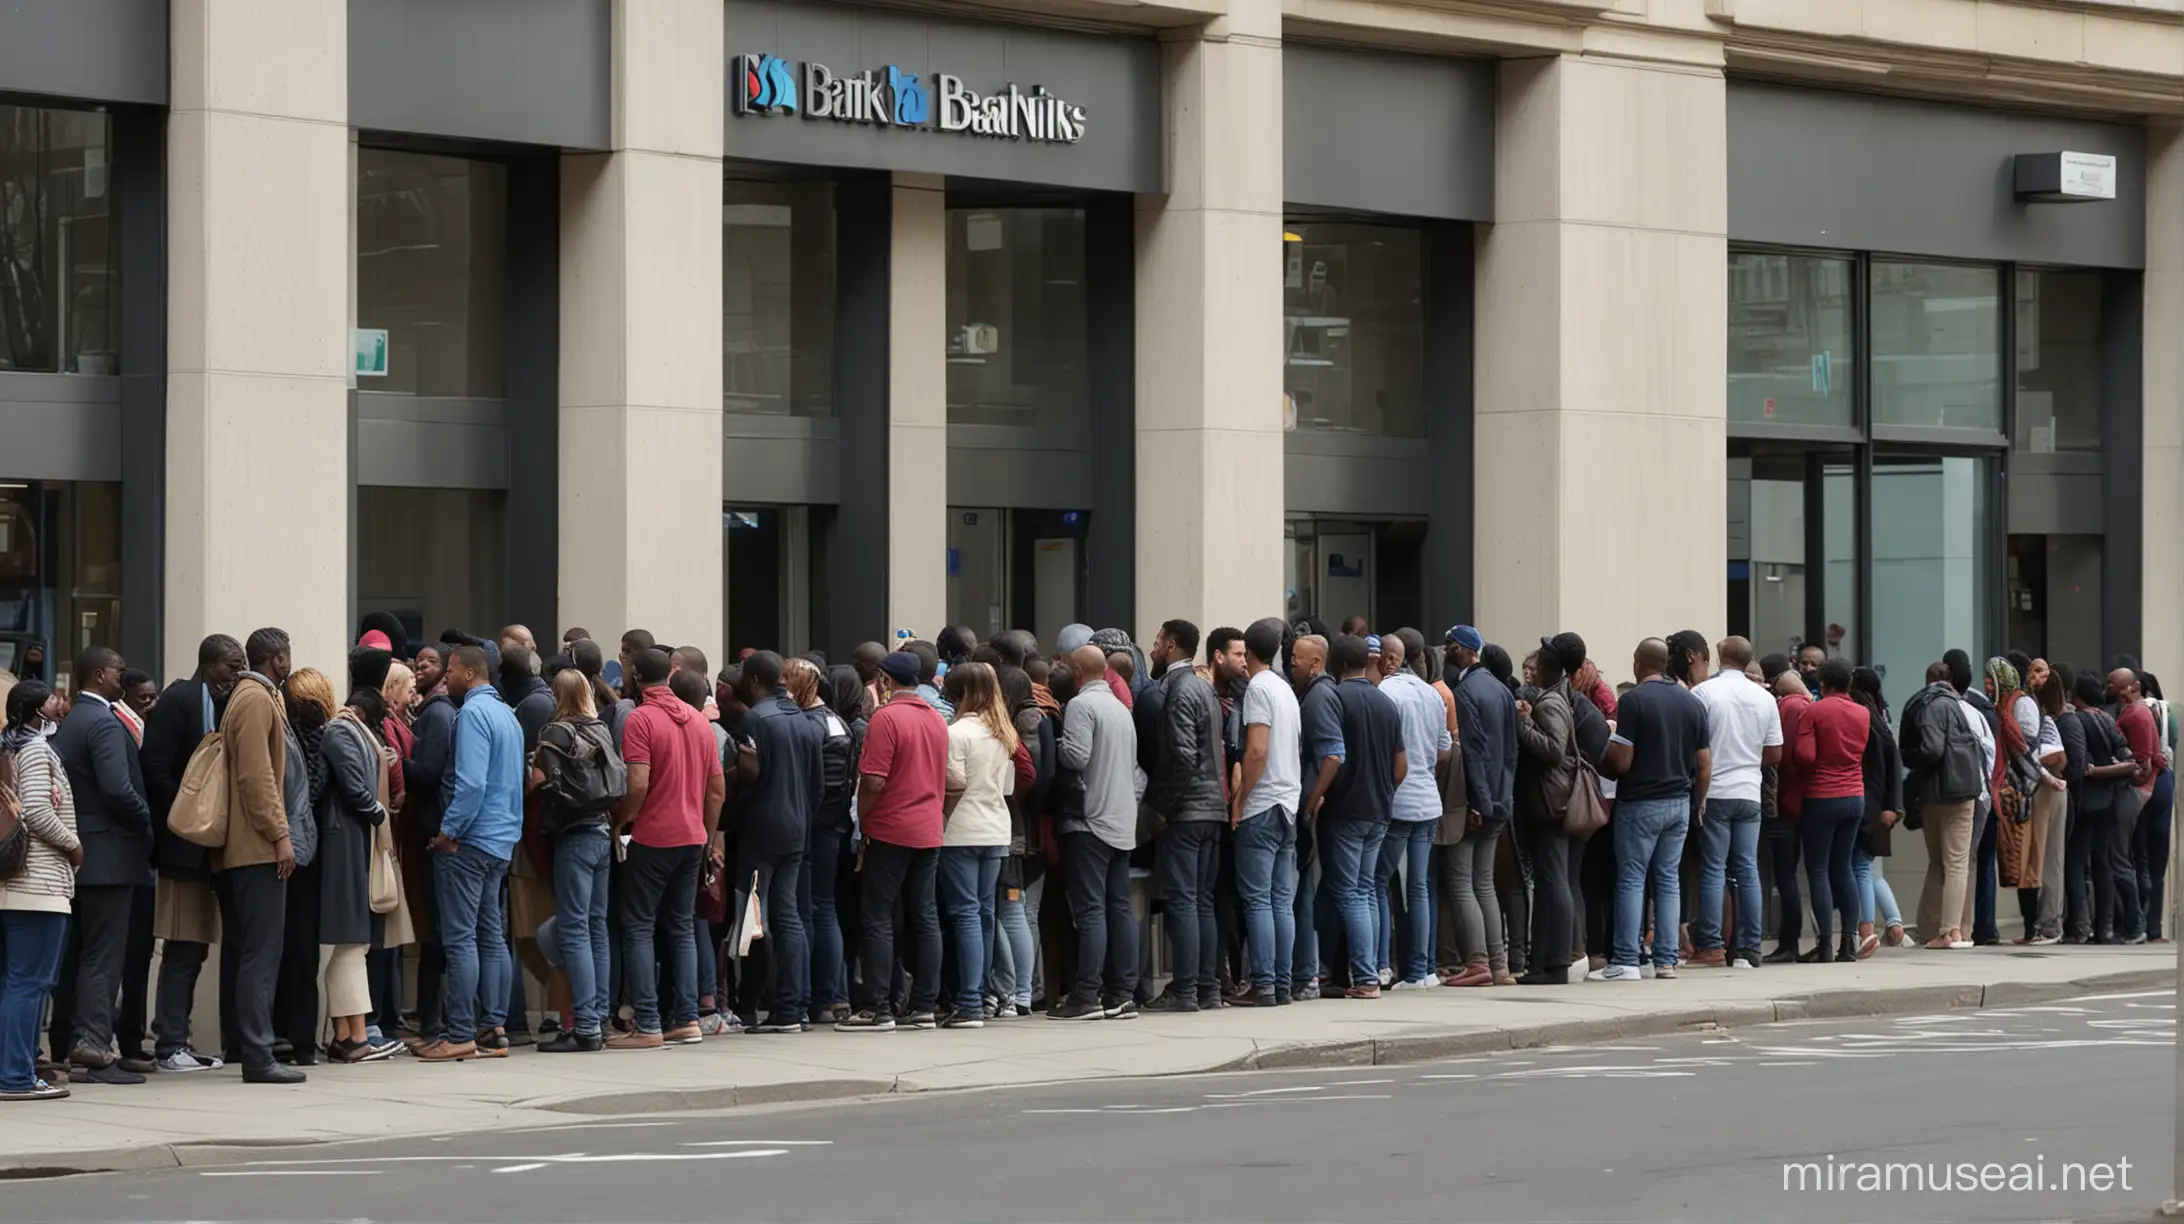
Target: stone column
x=258 y=307
x=917 y=407
x=1601 y=478
x=1209 y=333
x=2161 y=559
x=640 y=448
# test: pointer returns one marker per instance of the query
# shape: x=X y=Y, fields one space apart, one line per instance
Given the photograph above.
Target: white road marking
x=1232 y=1096
x=522 y=1168
x=763 y=1143
x=290 y=1173
x=1790 y=1063
x=2135 y=994
x=1464 y=1076
x=1359 y=1083
x=576 y=1126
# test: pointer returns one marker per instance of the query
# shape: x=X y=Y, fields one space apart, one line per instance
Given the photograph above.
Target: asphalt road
x=1695 y=1127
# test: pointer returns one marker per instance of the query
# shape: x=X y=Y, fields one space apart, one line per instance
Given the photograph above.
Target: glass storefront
x=57 y=309
x=1353 y=306
x=777 y=289
x=1932 y=568
x=1937 y=345
x=436 y=558
x=1790 y=356
x=2058 y=361
x=1793 y=547
x=60 y=573
x=775 y=565
x=1016 y=317
x=431 y=248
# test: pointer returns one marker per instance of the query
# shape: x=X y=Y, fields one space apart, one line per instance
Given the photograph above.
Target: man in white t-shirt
x=1745 y=732
x=1264 y=814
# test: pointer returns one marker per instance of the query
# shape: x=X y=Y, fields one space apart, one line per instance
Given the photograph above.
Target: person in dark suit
x=114 y=820
x=186 y=914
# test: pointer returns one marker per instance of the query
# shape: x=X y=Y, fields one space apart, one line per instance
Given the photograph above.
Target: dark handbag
x=713 y=895
x=1587 y=812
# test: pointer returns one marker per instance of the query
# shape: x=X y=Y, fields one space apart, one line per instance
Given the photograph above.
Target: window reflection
x=1773 y=502
x=56 y=263
x=1937 y=346
x=2058 y=361
x=60 y=573
x=1931 y=566
x=1353 y=299
x=433 y=557
x=777 y=291
x=1790 y=354
x=431 y=242
x=1016 y=316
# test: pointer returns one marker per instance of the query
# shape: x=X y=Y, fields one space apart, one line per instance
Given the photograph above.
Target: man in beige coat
x=250 y=872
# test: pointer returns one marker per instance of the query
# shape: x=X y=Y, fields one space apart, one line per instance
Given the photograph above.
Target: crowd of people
x=944 y=834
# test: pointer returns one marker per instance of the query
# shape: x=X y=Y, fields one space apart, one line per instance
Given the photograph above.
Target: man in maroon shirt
x=2149 y=837
x=1779 y=831
x=900 y=781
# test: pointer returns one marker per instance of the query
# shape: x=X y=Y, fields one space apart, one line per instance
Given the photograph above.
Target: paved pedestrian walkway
x=193 y=1119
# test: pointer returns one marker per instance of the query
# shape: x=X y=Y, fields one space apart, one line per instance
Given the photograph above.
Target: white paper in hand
x=754 y=920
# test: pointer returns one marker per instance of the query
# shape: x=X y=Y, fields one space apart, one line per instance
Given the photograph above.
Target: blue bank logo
x=913 y=106
x=766 y=85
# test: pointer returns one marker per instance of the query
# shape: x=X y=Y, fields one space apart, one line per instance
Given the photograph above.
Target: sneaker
x=1664 y=973
x=2135 y=940
x=1614 y=973
x=866 y=1022
x=1305 y=993
x=1387 y=978
x=493 y=1043
x=574 y=1043
x=964 y=1020
x=137 y=1061
x=2042 y=941
x=836 y=1012
x=1126 y=1010
x=1545 y=977
x=518 y=1037
x=548 y=1026
x=713 y=1024
x=1074 y=1010
x=1960 y=944
x=1282 y=997
x=1708 y=958
x=38 y=1091
x=186 y=1060
x=639 y=1040
x=920 y=1020
x=1424 y=983
x=381 y=1050
x=442 y=1051
x=1169 y=1001
x=684 y=1034
x=1370 y=990
x=1004 y=1011
x=1211 y=1002
x=273 y=1073
x=774 y=1024
x=1745 y=958
x=111 y=1073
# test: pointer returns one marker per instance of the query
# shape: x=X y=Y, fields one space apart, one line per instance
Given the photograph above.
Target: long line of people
x=871 y=845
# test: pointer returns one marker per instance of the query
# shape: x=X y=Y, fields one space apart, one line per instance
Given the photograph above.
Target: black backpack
x=584 y=775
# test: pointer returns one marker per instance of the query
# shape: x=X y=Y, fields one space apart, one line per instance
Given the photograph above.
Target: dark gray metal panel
x=1021 y=467
x=1359 y=486
x=523 y=71
x=1813 y=167
x=2054 y=502
x=779 y=460
x=420 y=443
x=140 y=218
x=1450 y=424
x=2123 y=439
x=863 y=221
x=1110 y=343
x=1378 y=131
x=95 y=50
x=1116 y=79
x=531 y=351
x=60 y=426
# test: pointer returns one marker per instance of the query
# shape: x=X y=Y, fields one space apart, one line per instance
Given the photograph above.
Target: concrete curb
x=1453 y=1042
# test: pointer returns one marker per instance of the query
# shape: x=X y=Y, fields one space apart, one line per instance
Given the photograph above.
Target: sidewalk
x=200 y=1119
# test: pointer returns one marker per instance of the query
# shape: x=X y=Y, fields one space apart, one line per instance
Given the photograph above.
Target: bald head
x=2123 y=684
x=1735 y=652
x=1307 y=657
x=1088 y=663
x=1650 y=659
x=1391 y=654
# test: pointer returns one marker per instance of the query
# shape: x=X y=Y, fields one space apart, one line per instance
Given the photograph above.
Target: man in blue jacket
x=477 y=839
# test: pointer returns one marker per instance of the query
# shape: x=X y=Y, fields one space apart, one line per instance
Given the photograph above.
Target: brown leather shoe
x=639 y=1040
x=684 y=1034
x=1370 y=990
x=1474 y=974
x=1708 y=958
x=448 y=1051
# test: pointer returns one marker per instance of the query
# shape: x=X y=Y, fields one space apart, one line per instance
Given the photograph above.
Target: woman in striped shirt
x=34 y=903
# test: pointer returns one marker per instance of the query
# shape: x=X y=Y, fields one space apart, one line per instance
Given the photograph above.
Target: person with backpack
x=35 y=888
x=579 y=777
x=1939 y=739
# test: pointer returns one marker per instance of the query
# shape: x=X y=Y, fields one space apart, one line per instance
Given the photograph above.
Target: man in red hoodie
x=1779 y=830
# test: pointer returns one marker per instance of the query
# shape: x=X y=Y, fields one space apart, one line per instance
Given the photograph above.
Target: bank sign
x=891 y=97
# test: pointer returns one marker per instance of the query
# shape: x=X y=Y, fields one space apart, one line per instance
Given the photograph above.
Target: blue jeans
x=1649 y=841
x=1728 y=847
x=583 y=858
x=1876 y=900
x=968 y=876
x=1015 y=948
x=1409 y=843
x=2150 y=851
x=1266 y=890
x=788 y=948
x=659 y=888
x=1350 y=856
x=31 y=944
x=1188 y=860
x=473 y=934
x=1829 y=829
x=823 y=917
x=1304 y=966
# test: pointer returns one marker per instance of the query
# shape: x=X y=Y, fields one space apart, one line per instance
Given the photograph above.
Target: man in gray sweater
x=1098 y=827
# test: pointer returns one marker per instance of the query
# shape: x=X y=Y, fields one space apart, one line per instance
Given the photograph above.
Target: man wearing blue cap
x=1486 y=717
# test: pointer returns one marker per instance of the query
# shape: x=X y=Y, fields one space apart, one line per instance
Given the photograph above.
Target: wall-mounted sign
x=891 y=97
x=2066 y=176
x=371 y=352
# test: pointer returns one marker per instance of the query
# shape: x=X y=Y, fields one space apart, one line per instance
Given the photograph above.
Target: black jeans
x=253 y=922
x=1190 y=860
x=786 y=988
x=296 y=988
x=658 y=903
x=131 y=1024
x=2122 y=826
x=1596 y=878
x=1555 y=863
x=1099 y=899
x=179 y=965
x=898 y=874
x=1779 y=836
x=2077 y=873
x=91 y=970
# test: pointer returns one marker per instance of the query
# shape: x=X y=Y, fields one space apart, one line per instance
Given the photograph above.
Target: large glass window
x=1353 y=305
x=1016 y=315
x=431 y=243
x=1932 y=566
x=1937 y=345
x=2058 y=361
x=1790 y=356
x=433 y=557
x=60 y=573
x=57 y=271
x=1793 y=524
x=777 y=290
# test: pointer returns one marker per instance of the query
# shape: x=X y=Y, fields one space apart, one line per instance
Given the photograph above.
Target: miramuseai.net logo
x=891 y=97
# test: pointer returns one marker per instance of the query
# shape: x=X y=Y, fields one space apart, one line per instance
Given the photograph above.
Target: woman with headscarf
x=2019 y=833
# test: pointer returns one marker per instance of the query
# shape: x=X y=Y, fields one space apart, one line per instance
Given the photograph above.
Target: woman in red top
x=1831 y=740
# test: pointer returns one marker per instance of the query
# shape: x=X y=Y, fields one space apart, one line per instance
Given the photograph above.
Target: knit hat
x=901 y=667
x=368 y=667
